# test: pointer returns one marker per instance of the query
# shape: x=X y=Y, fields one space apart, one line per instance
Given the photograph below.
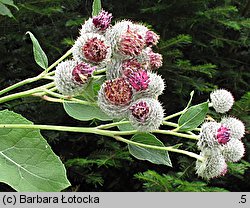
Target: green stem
x=25 y=93
x=170 y=124
x=49 y=78
x=59 y=60
x=174 y=115
x=100 y=71
x=110 y=125
x=19 y=84
x=188 y=136
x=167 y=123
x=171 y=149
x=51 y=99
x=50 y=73
x=94 y=130
x=176 y=134
x=91 y=130
x=183 y=111
x=44 y=74
x=96 y=77
x=59 y=100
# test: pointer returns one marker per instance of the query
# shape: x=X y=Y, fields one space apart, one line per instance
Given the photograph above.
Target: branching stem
x=43 y=75
x=94 y=130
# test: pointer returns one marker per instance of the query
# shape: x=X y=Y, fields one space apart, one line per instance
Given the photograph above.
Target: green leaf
x=96 y=7
x=39 y=55
x=193 y=117
x=126 y=127
x=97 y=84
x=149 y=154
x=26 y=159
x=9 y=2
x=91 y=90
x=85 y=112
x=5 y=11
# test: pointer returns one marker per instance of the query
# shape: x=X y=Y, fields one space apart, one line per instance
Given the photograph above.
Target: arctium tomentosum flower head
x=233 y=151
x=92 y=48
x=213 y=135
x=126 y=41
x=213 y=165
x=236 y=127
x=131 y=65
x=116 y=67
x=150 y=59
x=222 y=100
x=71 y=77
x=155 y=59
x=138 y=78
x=114 y=97
x=146 y=114
x=151 y=38
x=82 y=72
x=130 y=43
x=140 y=111
x=97 y=24
x=155 y=86
x=102 y=21
x=208 y=135
x=118 y=92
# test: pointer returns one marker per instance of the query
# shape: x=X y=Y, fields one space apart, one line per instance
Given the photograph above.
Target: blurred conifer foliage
x=205 y=44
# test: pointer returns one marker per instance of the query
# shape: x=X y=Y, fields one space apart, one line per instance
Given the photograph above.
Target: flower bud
x=138 y=79
x=208 y=135
x=233 y=151
x=82 y=72
x=146 y=114
x=151 y=60
x=236 y=127
x=114 y=97
x=116 y=67
x=103 y=20
x=113 y=33
x=130 y=43
x=71 y=77
x=155 y=86
x=92 y=48
x=150 y=37
x=97 y=24
x=222 y=100
x=125 y=40
x=213 y=165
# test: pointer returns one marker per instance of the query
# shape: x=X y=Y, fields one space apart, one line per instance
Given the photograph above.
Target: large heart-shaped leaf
x=149 y=154
x=193 y=117
x=26 y=160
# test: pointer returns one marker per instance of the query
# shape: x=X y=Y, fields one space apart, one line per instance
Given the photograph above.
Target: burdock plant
x=110 y=74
